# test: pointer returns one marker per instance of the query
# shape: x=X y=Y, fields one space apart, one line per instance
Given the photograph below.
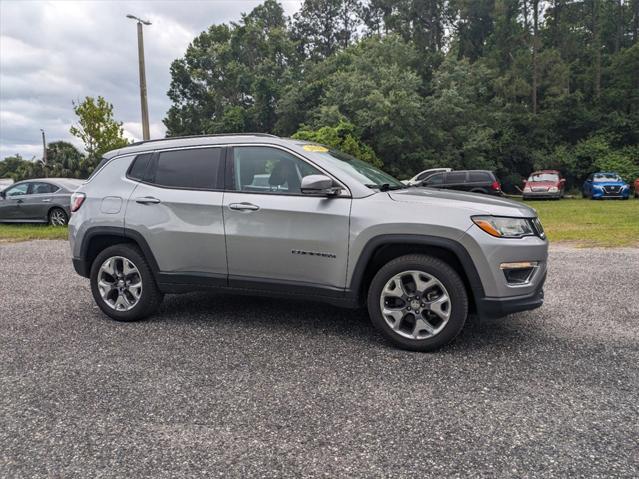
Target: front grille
x=612 y=190
x=539 y=189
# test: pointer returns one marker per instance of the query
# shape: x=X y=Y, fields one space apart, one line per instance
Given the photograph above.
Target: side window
x=456 y=177
x=262 y=169
x=437 y=179
x=422 y=176
x=139 y=169
x=478 y=176
x=42 y=188
x=196 y=168
x=18 y=190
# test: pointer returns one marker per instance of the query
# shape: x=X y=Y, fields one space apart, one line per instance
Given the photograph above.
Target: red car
x=544 y=184
x=637 y=188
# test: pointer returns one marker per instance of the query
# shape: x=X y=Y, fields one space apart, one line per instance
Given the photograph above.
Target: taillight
x=76 y=201
x=495 y=186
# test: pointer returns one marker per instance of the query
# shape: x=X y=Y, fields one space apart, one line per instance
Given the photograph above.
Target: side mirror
x=319 y=185
x=3 y=195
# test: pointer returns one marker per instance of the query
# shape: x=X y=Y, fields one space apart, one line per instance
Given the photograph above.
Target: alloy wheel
x=58 y=218
x=119 y=283
x=415 y=305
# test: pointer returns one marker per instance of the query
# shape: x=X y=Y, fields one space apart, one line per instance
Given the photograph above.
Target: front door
x=275 y=235
x=11 y=205
x=177 y=208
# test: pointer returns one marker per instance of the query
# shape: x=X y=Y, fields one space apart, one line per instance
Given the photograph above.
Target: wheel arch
x=98 y=238
x=382 y=249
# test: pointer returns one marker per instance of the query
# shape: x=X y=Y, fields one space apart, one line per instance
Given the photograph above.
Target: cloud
x=56 y=52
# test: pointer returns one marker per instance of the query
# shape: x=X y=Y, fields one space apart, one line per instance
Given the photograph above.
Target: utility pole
x=44 y=153
x=144 y=106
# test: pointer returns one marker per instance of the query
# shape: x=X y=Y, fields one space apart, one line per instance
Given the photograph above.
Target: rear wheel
x=58 y=217
x=418 y=302
x=123 y=285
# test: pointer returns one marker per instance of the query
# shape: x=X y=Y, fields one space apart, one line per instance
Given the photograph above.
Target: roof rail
x=200 y=136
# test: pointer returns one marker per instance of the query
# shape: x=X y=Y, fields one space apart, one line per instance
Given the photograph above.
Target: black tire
x=150 y=297
x=432 y=267
x=57 y=217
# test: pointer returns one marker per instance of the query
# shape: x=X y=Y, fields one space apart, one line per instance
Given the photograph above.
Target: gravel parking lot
x=238 y=386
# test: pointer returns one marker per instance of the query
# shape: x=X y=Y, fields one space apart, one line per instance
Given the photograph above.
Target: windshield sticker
x=315 y=148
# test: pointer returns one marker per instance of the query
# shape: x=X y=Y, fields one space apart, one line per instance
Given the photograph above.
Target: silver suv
x=258 y=214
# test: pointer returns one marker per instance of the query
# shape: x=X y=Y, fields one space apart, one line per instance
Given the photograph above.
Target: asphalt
x=249 y=387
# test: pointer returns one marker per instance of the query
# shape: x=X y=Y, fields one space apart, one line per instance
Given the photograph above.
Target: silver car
x=258 y=214
x=42 y=200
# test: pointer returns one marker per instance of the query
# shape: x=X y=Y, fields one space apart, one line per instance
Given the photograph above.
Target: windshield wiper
x=386 y=187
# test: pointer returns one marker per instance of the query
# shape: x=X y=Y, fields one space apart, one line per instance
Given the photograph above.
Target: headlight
x=596 y=187
x=625 y=187
x=553 y=189
x=526 y=188
x=504 y=227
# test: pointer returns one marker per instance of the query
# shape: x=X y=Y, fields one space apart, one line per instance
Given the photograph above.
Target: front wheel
x=418 y=302
x=123 y=285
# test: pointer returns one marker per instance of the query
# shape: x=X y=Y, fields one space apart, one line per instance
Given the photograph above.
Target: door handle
x=147 y=200
x=244 y=207
x=47 y=201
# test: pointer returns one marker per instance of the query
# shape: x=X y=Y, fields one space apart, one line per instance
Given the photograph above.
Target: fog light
x=520 y=272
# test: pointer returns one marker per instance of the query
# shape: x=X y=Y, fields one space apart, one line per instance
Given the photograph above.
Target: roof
x=196 y=140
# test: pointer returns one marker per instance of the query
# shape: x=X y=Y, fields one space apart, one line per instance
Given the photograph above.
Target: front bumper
x=499 y=307
x=528 y=195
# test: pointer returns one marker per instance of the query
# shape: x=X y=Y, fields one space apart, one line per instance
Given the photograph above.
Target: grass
x=607 y=223
x=585 y=223
x=25 y=232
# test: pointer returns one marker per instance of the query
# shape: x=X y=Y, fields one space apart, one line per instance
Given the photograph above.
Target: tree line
x=505 y=85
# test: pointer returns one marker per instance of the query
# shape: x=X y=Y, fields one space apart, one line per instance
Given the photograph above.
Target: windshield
x=607 y=177
x=366 y=173
x=535 y=177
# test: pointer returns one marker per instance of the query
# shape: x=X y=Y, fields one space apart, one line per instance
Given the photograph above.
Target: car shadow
x=308 y=318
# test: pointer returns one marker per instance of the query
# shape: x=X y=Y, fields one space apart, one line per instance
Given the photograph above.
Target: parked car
x=418 y=178
x=180 y=214
x=43 y=200
x=475 y=181
x=637 y=188
x=544 y=184
x=605 y=185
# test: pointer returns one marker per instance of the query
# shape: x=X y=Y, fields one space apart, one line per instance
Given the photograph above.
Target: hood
x=475 y=203
x=609 y=183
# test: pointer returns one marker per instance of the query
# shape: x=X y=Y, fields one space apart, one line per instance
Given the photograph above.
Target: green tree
x=65 y=161
x=343 y=137
x=231 y=77
x=97 y=129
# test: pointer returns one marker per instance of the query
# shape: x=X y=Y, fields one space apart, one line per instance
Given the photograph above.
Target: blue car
x=605 y=185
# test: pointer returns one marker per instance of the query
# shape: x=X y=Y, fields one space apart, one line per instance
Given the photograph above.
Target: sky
x=55 y=52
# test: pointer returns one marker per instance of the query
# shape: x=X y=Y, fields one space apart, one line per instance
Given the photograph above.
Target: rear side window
x=456 y=177
x=140 y=167
x=42 y=188
x=479 y=176
x=190 y=168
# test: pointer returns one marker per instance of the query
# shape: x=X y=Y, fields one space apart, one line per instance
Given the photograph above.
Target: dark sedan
x=45 y=200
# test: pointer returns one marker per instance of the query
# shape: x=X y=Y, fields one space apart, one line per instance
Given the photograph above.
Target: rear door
x=37 y=203
x=276 y=236
x=177 y=208
x=456 y=180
